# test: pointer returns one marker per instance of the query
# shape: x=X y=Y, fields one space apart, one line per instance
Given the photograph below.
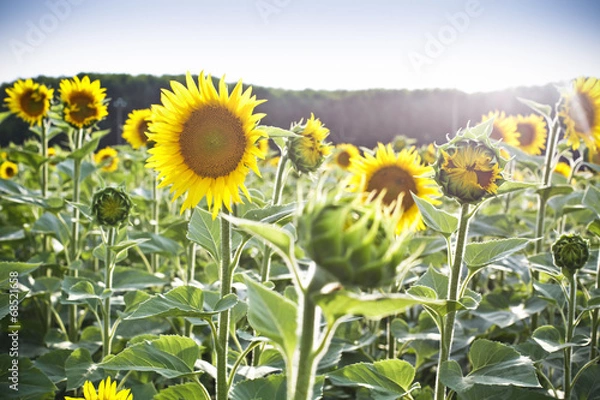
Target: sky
x=471 y=45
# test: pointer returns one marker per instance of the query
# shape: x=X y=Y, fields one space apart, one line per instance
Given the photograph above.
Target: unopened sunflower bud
x=355 y=244
x=111 y=206
x=570 y=252
x=308 y=151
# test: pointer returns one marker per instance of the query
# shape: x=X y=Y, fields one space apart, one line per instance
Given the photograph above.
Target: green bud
x=111 y=206
x=570 y=252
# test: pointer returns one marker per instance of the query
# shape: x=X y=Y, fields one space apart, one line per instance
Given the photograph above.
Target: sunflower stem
x=569 y=334
x=223 y=328
x=595 y=322
x=447 y=333
x=305 y=367
x=108 y=279
x=154 y=260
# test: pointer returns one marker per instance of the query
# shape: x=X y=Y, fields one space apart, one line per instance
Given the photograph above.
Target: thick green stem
x=391 y=340
x=223 y=329
x=45 y=164
x=154 y=260
x=108 y=279
x=595 y=322
x=447 y=333
x=569 y=334
x=305 y=365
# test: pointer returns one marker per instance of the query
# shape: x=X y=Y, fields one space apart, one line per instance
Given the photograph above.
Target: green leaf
x=554 y=190
x=50 y=224
x=274 y=131
x=206 y=232
x=438 y=220
x=279 y=214
x=272 y=316
x=594 y=227
x=34 y=160
x=549 y=339
x=189 y=390
x=32 y=384
x=4 y=115
x=52 y=364
x=483 y=253
x=184 y=301
x=387 y=379
x=512 y=186
x=588 y=385
x=543 y=109
x=170 y=356
x=79 y=368
x=273 y=387
x=89 y=146
x=125 y=278
x=10 y=233
x=8 y=269
x=157 y=244
x=494 y=364
x=591 y=199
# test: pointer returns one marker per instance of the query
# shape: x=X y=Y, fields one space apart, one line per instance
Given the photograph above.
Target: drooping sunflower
x=345 y=153
x=134 y=130
x=205 y=141
x=580 y=112
x=398 y=175
x=83 y=101
x=308 y=151
x=532 y=133
x=8 y=170
x=29 y=101
x=107 y=390
x=107 y=158
x=504 y=128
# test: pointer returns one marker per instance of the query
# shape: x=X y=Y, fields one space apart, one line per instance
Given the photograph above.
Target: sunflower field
x=217 y=258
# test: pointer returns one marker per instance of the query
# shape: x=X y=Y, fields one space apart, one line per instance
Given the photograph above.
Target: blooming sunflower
x=83 y=101
x=397 y=175
x=8 y=170
x=308 y=151
x=504 y=128
x=345 y=153
x=205 y=141
x=107 y=158
x=29 y=101
x=563 y=168
x=532 y=133
x=580 y=111
x=107 y=390
x=134 y=130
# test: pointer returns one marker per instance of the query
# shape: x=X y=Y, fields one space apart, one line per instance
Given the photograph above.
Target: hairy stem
x=223 y=328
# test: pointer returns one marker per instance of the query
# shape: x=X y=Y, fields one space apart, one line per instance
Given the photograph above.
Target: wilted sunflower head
x=469 y=166
x=29 y=101
x=8 y=170
x=308 y=150
x=136 y=126
x=580 y=111
x=532 y=133
x=504 y=128
x=83 y=101
x=107 y=390
x=394 y=176
x=107 y=159
x=205 y=141
x=344 y=155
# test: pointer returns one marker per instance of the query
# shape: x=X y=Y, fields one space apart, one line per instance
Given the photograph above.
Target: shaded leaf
x=484 y=253
x=189 y=390
x=436 y=219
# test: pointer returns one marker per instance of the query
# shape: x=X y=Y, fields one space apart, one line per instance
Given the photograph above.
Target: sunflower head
x=393 y=177
x=107 y=390
x=350 y=242
x=570 y=252
x=83 y=101
x=308 y=150
x=580 y=112
x=401 y=142
x=29 y=101
x=428 y=154
x=563 y=168
x=469 y=166
x=111 y=206
x=344 y=155
x=107 y=159
x=134 y=130
x=504 y=128
x=532 y=133
x=205 y=141
x=8 y=170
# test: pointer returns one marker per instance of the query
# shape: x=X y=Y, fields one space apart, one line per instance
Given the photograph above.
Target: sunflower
x=308 y=150
x=532 y=133
x=29 y=101
x=263 y=146
x=107 y=390
x=580 y=111
x=8 y=170
x=398 y=175
x=504 y=128
x=563 y=168
x=134 y=130
x=83 y=101
x=107 y=158
x=205 y=141
x=345 y=153
x=428 y=154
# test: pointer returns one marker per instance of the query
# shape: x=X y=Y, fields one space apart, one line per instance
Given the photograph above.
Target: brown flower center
x=527 y=132
x=344 y=159
x=212 y=142
x=496 y=133
x=10 y=171
x=82 y=107
x=32 y=103
x=142 y=129
x=582 y=113
x=395 y=181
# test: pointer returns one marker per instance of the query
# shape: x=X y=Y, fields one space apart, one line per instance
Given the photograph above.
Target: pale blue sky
x=472 y=45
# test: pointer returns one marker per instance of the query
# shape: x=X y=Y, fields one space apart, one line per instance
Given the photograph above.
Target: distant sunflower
x=397 y=175
x=504 y=129
x=532 y=133
x=308 y=151
x=29 y=101
x=205 y=141
x=345 y=153
x=563 y=168
x=8 y=170
x=107 y=159
x=83 y=101
x=263 y=146
x=581 y=114
x=107 y=390
x=134 y=130
x=428 y=154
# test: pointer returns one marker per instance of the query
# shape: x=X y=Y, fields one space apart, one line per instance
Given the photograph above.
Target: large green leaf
x=50 y=224
x=494 y=364
x=591 y=199
x=126 y=278
x=89 y=146
x=272 y=214
x=483 y=253
x=438 y=220
x=543 y=109
x=79 y=368
x=588 y=385
x=169 y=356
x=189 y=390
x=513 y=186
x=31 y=383
x=273 y=387
x=9 y=268
x=52 y=364
x=206 y=231
x=549 y=339
x=274 y=131
x=157 y=244
x=272 y=316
